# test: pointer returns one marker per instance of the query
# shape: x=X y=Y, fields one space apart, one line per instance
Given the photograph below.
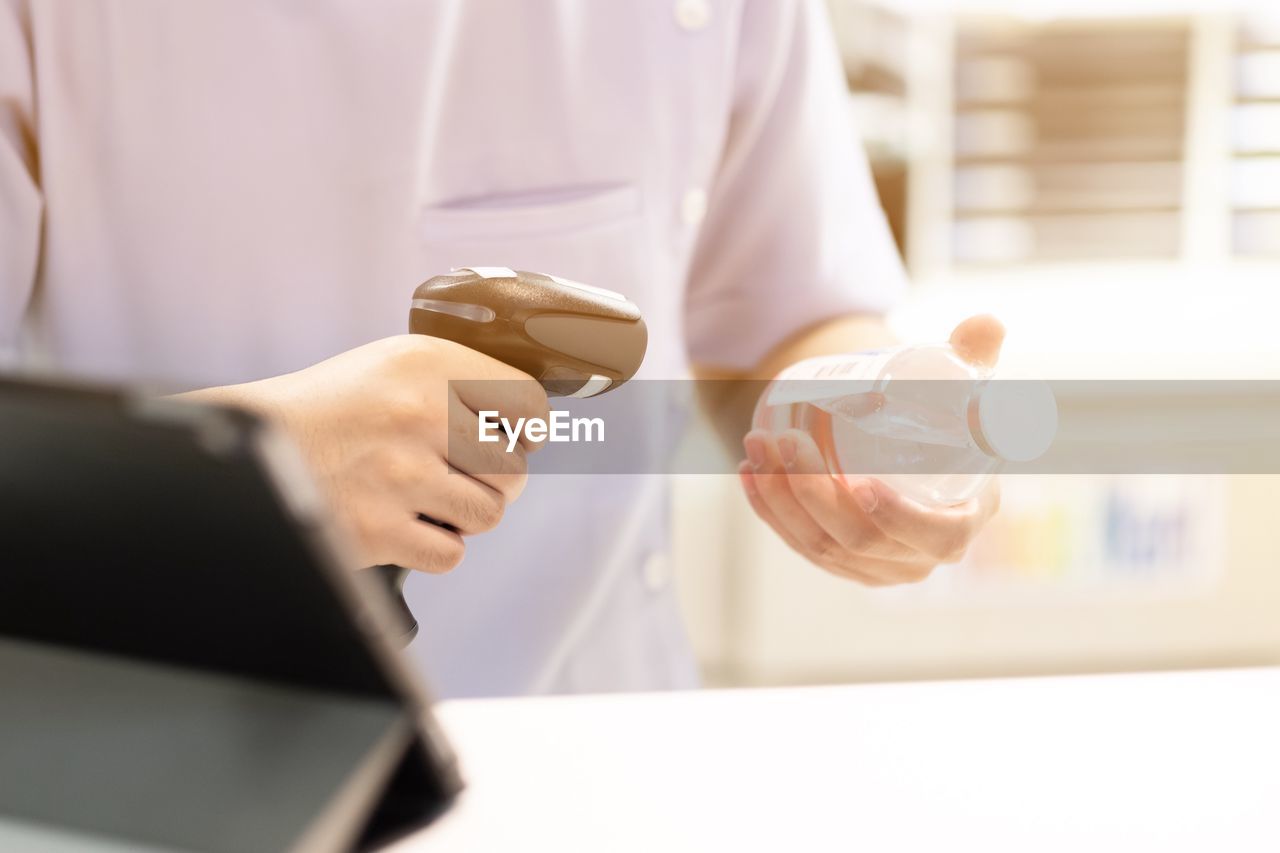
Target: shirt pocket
x=588 y=234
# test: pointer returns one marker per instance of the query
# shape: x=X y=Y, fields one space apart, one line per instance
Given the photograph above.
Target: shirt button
x=693 y=207
x=657 y=572
x=693 y=14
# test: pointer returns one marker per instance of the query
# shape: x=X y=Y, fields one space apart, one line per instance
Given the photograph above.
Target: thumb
x=978 y=339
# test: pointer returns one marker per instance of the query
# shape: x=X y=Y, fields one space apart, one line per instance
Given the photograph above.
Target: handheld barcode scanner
x=575 y=339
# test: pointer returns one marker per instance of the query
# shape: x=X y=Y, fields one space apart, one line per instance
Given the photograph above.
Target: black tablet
x=155 y=550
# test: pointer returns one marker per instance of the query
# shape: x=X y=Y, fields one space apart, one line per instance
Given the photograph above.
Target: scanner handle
x=393 y=578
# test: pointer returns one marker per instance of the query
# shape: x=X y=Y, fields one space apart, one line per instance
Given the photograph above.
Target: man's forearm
x=730 y=402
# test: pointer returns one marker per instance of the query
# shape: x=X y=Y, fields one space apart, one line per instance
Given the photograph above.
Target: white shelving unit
x=1078 y=574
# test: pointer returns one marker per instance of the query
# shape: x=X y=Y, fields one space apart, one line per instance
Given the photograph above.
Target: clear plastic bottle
x=920 y=418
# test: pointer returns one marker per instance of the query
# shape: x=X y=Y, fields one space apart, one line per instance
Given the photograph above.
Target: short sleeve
x=21 y=207
x=794 y=232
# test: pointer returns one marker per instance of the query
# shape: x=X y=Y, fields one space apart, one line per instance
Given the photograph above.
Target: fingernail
x=787 y=450
x=755 y=451
x=866 y=497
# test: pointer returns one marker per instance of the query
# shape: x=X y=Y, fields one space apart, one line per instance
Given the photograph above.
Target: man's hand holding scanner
x=863 y=529
x=375 y=423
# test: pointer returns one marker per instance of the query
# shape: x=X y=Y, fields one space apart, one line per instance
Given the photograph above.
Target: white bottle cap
x=1014 y=419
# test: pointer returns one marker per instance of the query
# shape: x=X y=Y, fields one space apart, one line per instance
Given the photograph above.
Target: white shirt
x=214 y=191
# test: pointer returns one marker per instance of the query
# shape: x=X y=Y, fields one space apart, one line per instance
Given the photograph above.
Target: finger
x=865 y=570
x=940 y=532
x=422 y=547
x=752 y=491
x=829 y=503
x=459 y=501
x=485 y=382
x=466 y=363
x=489 y=462
x=978 y=340
x=501 y=389
x=512 y=399
x=775 y=490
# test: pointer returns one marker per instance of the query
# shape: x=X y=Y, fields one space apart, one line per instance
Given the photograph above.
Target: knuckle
x=481 y=510
x=527 y=445
x=827 y=551
x=434 y=550
x=516 y=463
x=443 y=557
x=416 y=352
x=493 y=513
x=404 y=410
x=401 y=471
x=840 y=564
x=510 y=485
x=429 y=346
x=811 y=542
x=537 y=401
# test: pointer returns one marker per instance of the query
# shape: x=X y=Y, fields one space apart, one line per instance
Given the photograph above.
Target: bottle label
x=826 y=376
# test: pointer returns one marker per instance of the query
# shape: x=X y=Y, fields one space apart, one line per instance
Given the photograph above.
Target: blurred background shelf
x=1105 y=177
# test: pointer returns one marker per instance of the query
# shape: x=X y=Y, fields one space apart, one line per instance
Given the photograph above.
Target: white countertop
x=1168 y=762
